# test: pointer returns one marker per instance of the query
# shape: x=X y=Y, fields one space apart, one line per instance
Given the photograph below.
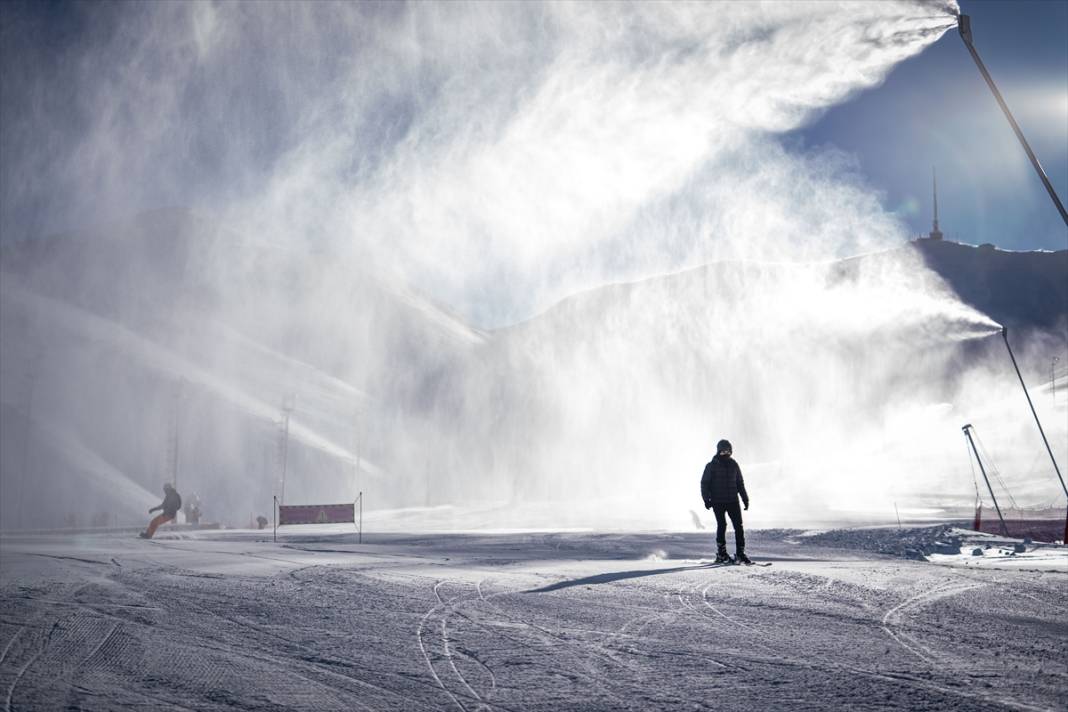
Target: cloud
x=494 y=153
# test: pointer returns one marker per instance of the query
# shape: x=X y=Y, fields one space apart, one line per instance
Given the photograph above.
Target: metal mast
x=174 y=440
x=936 y=234
x=934 y=191
x=968 y=434
x=1027 y=395
x=1005 y=335
x=964 y=24
x=27 y=437
x=359 y=449
x=283 y=441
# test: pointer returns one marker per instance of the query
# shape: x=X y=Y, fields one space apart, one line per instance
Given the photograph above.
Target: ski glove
x=747 y=506
x=708 y=505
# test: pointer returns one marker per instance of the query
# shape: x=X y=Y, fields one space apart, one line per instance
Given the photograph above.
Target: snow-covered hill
x=843 y=384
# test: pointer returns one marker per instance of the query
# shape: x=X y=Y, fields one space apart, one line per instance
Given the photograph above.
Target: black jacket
x=722 y=482
x=172 y=502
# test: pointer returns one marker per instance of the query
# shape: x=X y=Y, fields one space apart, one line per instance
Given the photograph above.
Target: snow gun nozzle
x=964 y=25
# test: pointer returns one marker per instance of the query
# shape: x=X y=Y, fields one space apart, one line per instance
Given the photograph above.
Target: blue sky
x=936 y=110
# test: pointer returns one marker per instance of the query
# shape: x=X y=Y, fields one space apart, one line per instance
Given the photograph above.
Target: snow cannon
x=964 y=26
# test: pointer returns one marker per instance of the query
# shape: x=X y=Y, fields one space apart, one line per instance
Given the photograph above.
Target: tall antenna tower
x=936 y=234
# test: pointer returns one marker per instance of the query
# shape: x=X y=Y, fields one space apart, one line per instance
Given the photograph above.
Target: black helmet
x=724 y=446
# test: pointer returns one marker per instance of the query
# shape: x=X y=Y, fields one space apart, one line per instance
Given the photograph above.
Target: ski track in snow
x=893 y=618
x=514 y=623
x=10 y=642
x=426 y=655
x=565 y=652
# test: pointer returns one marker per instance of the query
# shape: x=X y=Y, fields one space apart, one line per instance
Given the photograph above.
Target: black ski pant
x=722 y=510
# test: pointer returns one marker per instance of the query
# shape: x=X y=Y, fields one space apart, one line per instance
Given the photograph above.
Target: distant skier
x=172 y=502
x=721 y=485
x=192 y=510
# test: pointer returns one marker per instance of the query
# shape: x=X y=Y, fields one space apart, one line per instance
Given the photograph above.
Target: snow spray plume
x=370 y=162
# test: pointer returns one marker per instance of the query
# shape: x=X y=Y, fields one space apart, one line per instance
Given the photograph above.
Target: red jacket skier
x=172 y=502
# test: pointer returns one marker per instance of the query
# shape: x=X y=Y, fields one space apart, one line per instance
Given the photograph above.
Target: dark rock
x=1019 y=548
x=977 y=551
x=910 y=543
x=943 y=547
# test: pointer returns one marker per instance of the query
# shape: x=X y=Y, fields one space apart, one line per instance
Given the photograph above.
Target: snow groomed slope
x=536 y=621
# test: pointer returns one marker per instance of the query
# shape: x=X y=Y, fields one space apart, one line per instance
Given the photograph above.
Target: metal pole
x=285 y=451
x=274 y=517
x=1053 y=378
x=965 y=26
x=27 y=436
x=287 y=408
x=968 y=434
x=1005 y=335
x=361 y=518
x=177 y=433
x=359 y=439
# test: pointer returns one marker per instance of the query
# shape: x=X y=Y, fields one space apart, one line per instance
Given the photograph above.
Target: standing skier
x=721 y=485
x=172 y=502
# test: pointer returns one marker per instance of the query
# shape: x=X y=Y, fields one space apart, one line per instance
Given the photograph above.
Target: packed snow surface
x=518 y=621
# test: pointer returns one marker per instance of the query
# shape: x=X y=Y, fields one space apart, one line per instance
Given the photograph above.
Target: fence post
x=360 y=538
x=274 y=516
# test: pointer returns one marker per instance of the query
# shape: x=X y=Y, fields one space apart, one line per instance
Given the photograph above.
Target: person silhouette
x=721 y=486
x=170 y=505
